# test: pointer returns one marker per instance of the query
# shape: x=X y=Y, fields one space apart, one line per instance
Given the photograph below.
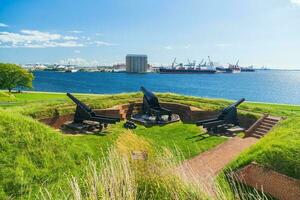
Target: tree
x=13 y=76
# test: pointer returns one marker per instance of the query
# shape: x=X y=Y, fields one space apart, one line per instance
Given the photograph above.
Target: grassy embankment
x=33 y=154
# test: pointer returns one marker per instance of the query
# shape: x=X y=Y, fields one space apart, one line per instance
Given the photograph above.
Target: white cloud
x=99 y=34
x=70 y=38
x=101 y=43
x=3 y=25
x=295 y=2
x=187 y=46
x=168 y=47
x=38 y=39
x=223 y=45
x=43 y=45
x=86 y=38
x=79 y=62
x=76 y=51
x=178 y=47
x=76 y=31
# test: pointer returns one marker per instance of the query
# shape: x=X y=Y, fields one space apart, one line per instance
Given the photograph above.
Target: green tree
x=13 y=76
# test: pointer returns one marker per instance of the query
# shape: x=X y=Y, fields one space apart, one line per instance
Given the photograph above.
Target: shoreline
x=103 y=94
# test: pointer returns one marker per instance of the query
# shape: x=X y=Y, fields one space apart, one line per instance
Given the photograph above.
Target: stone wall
x=271 y=182
x=57 y=121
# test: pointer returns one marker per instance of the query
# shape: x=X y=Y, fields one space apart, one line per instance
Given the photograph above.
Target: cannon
x=87 y=118
x=152 y=107
x=227 y=119
x=152 y=112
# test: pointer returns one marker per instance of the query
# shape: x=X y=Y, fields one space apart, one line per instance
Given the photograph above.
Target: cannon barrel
x=73 y=98
x=236 y=104
x=151 y=98
x=144 y=90
x=77 y=102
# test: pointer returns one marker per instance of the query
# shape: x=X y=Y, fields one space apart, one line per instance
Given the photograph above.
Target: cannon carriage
x=225 y=121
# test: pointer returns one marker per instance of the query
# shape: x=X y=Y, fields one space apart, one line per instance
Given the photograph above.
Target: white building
x=136 y=63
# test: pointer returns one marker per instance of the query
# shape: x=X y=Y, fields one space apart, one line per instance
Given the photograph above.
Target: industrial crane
x=200 y=64
x=210 y=62
x=173 y=63
x=236 y=66
x=190 y=64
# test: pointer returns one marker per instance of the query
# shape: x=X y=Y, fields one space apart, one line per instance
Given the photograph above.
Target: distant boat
x=71 y=70
x=233 y=70
x=248 y=69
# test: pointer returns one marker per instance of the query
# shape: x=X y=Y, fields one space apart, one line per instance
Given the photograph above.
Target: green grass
x=184 y=137
x=6 y=97
x=33 y=154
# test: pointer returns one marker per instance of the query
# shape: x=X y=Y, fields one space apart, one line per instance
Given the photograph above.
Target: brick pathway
x=204 y=167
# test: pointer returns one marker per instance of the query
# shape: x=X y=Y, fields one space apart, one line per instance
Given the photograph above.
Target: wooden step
x=270 y=121
x=260 y=132
x=268 y=124
x=274 y=118
x=265 y=127
x=262 y=129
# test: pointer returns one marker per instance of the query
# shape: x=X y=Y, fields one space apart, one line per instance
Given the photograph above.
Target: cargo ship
x=189 y=68
x=230 y=69
x=248 y=69
x=186 y=71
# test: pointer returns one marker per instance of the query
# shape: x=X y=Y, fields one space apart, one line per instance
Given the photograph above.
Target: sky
x=94 y=32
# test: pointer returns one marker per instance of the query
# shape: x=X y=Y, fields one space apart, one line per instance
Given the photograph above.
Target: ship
x=248 y=69
x=232 y=68
x=185 y=71
x=190 y=68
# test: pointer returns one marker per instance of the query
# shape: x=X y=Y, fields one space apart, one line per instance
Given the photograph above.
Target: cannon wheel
x=100 y=127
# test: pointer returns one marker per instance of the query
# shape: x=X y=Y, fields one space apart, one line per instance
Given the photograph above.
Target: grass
x=118 y=176
x=33 y=155
x=185 y=137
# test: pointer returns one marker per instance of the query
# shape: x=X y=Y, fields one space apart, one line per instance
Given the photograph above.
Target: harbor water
x=261 y=86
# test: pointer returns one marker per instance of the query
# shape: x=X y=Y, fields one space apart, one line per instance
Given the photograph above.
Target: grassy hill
x=33 y=155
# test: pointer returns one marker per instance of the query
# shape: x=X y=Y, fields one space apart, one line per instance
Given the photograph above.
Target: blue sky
x=258 y=32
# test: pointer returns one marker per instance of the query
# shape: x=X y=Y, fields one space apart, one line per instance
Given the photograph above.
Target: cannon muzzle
x=74 y=99
x=236 y=104
x=144 y=90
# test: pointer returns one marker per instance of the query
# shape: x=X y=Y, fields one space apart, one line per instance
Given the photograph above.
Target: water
x=262 y=86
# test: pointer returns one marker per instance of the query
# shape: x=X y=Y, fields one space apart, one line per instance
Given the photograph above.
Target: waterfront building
x=136 y=63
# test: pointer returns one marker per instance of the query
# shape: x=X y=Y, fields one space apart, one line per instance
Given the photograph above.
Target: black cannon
x=84 y=113
x=227 y=119
x=152 y=112
x=152 y=107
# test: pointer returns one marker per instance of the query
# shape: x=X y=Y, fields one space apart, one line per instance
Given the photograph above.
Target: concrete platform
x=150 y=121
x=87 y=127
